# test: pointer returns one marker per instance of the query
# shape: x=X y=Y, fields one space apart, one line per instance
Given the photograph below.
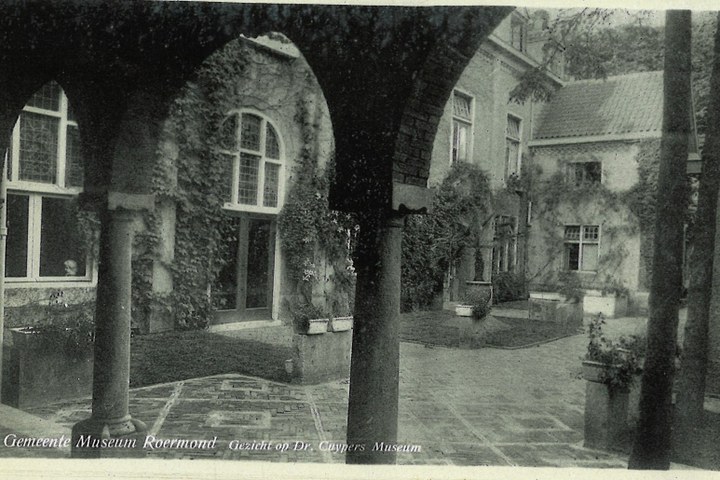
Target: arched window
x=255 y=149
x=45 y=175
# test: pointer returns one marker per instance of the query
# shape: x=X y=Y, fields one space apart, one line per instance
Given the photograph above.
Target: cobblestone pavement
x=464 y=407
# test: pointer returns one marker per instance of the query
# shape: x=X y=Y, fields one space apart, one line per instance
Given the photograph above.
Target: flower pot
x=611 y=414
x=317 y=326
x=463 y=310
x=341 y=324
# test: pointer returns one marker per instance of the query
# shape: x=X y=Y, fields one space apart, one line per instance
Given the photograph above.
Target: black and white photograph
x=358 y=240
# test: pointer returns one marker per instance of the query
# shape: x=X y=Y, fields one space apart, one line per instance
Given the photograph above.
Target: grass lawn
x=173 y=356
x=441 y=328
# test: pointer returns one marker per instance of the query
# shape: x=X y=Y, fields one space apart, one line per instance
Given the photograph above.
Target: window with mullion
x=45 y=172
x=582 y=247
x=462 y=125
x=254 y=144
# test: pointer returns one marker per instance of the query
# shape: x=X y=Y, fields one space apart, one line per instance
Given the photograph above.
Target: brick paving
x=462 y=407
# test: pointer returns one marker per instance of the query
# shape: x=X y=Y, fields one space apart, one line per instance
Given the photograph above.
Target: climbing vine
x=625 y=214
x=432 y=243
x=191 y=175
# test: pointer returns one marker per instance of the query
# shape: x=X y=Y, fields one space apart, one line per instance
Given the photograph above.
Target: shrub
x=621 y=357
x=508 y=287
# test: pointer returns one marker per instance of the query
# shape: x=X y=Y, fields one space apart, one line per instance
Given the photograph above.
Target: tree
x=652 y=446
x=691 y=389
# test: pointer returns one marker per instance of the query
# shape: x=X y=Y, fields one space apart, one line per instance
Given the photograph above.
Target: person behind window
x=71 y=268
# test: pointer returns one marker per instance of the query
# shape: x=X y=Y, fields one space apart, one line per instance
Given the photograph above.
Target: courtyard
x=483 y=407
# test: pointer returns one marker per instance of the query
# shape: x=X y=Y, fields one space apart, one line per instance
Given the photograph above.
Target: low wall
x=569 y=314
x=321 y=358
x=34 y=374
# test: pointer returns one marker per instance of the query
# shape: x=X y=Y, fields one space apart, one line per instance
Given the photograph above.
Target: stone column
x=375 y=362
x=111 y=431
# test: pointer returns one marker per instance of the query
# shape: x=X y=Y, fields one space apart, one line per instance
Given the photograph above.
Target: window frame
x=518 y=141
x=233 y=205
x=37 y=192
x=571 y=177
x=581 y=242
x=459 y=120
x=505 y=247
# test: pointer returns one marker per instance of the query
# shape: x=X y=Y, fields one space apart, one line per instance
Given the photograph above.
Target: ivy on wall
x=190 y=174
x=634 y=210
x=432 y=243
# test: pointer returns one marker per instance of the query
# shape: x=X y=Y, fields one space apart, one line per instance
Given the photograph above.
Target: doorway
x=245 y=286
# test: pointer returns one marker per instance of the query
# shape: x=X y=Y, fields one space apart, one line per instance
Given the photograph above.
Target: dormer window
x=254 y=147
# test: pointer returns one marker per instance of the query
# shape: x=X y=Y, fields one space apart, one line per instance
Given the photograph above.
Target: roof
x=621 y=105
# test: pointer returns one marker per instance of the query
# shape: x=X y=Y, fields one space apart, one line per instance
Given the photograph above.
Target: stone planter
x=556 y=310
x=321 y=358
x=484 y=289
x=463 y=310
x=341 y=324
x=317 y=326
x=611 y=414
x=34 y=374
x=611 y=306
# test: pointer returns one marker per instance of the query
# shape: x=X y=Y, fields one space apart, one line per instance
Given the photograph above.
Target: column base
x=93 y=438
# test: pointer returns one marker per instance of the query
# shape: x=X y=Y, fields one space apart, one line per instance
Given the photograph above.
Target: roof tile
x=617 y=105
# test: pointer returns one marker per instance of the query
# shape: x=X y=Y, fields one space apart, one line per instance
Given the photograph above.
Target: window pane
x=512 y=151
x=461 y=135
x=38 y=147
x=272 y=148
x=248 y=179
x=17 y=239
x=572 y=233
x=73 y=161
x=462 y=106
x=48 y=97
x=272 y=185
x=513 y=127
x=590 y=257
x=62 y=251
x=228 y=133
x=572 y=256
x=591 y=232
x=250 y=133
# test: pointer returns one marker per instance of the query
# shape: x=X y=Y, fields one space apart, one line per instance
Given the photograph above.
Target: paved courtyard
x=520 y=407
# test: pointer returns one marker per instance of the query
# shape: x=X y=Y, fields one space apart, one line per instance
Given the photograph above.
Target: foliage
x=622 y=357
x=432 y=243
x=479 y=300
x=205 y=233
x=570 y=286
x=70 y=327
x=634 y=208
x=508 y=287
x=304 y=311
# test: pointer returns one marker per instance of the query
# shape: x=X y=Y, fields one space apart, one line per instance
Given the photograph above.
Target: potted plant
x=309 y=319
x=51 y=360
x=476 y=304
x=611 y=369
x=341 y=319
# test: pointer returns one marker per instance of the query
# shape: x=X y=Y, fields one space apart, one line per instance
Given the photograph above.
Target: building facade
x=595 y=157
x=483 y=126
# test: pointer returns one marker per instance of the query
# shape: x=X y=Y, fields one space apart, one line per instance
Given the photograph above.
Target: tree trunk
x=653 y=442
x=691 y=385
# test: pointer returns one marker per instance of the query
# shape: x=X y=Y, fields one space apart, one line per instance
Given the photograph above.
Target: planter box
x=611 y=415
x=463 y=310
x=610 y=306
x=36 y=375
x=321 y=358
x=317 y=326
x=569 y=314
x=341 y=324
